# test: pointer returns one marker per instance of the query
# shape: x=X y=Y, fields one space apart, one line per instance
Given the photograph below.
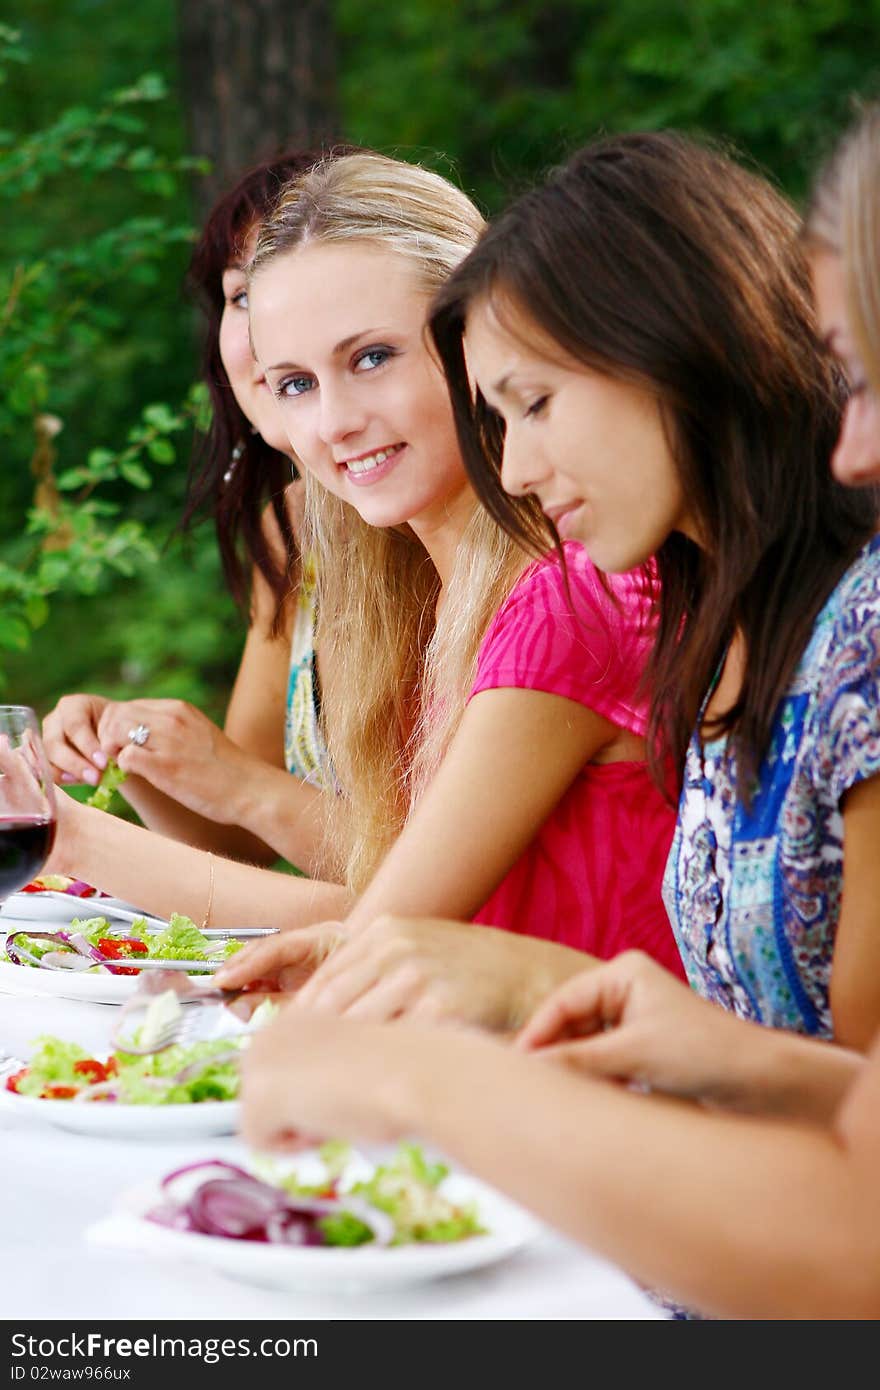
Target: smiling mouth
x=368 y=462
x=555 y=514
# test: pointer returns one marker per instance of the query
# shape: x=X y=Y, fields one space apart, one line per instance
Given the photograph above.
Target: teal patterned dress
x=754 y=894
x=305 y=754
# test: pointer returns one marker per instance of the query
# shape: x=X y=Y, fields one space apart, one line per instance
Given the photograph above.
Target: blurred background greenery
x=100 y=112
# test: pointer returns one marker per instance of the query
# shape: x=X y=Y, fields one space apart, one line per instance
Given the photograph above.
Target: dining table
x=60 y=1188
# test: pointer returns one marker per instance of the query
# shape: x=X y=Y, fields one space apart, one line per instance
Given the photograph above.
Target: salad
x=180 y=1074
x=60 y=1070
x=93 y=937
x=61 y=883
x=399 y=1204
x=112 y=779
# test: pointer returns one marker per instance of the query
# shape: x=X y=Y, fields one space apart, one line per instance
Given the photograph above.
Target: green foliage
x=94 y=330
x=507 y=89
x=62 y=306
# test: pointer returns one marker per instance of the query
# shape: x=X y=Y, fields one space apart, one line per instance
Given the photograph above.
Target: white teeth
x=371 y=461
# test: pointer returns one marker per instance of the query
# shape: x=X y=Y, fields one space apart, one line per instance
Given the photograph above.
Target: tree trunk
x=258 y=77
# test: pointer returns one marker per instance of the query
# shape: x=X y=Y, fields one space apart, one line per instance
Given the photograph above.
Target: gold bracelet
x=207 y=917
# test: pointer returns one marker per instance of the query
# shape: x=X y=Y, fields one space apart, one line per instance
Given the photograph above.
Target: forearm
x=774 y=1073
x=164 y=876
x=282 y=811
x=732 y=1216
x=161 y=813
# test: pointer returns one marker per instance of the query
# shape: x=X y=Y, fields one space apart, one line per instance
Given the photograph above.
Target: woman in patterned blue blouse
x=678 y=402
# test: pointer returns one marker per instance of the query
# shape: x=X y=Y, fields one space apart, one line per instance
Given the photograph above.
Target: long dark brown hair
x=657 y=260
x=261 y=474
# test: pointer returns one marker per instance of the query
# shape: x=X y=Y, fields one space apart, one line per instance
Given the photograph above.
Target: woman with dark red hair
x=230 y=790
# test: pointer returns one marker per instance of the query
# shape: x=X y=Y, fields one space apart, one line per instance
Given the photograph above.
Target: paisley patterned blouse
x=305 y=754
x=754 y=895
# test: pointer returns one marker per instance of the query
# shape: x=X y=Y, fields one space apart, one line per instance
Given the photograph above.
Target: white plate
x=53 y=910
x=110 y=1119
x=338 y=1268
x=99 y=988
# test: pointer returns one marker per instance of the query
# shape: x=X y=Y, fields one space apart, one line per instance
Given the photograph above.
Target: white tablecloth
x=57 y=1184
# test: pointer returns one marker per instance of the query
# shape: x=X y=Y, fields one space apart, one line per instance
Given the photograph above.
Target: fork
x=180 y=1028
x=9 y=1065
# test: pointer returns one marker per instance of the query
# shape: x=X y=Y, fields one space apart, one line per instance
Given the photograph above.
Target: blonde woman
x=486 y=728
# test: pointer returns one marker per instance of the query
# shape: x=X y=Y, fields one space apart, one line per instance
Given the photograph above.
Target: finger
x=141 y=761
x=396 y=996
x=72 y=745
x=263 y=1127
x=334 y=992
x=264 y=959
x=270 y=1137
x=432 y=1008
x=608 y=1055
x=345 y=954
x=583 y=1005
x=118 y=720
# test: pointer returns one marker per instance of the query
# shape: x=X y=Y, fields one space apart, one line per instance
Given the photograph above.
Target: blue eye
x=295 y=386
x=372 y=358
x=240 y=299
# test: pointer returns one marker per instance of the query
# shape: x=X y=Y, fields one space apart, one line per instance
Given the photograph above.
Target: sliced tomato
x=12 y=1081
x=118 y=947
x=93 y=1069
x=58 y=1092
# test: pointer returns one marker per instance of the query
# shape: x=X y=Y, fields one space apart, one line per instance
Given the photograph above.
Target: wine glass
x=27 y=799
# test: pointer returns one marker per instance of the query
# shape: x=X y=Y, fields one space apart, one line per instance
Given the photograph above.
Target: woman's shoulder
x=567 y=631
x=853 y=606
x=576 y=587
x=845 y=640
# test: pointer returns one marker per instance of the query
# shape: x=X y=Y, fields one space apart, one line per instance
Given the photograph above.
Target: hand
x=307 y=1078
x=632 y=1021
x=282 y=962
x=436 y=971
x=186 y=756
x=70 y=737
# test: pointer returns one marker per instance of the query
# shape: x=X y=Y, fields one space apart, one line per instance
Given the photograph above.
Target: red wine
x=25 y=846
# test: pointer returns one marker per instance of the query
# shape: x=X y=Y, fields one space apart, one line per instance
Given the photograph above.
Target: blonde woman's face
x=246 y=378
x=338 y=330
x=856 y=459
x=591 y=448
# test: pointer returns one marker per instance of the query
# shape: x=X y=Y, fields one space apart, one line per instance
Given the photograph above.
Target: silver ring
x=139 y=734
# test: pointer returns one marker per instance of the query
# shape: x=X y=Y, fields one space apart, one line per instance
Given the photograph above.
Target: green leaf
x=36 y=610
x=101 y=461
x=136 y=474
x=161 y=417
x=71 y=479
x=15 y=634
x=161 y=451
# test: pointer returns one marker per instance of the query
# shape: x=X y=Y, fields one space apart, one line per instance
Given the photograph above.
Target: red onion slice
x=74 y=941
x=98 y=1090
x=215 y=1165
x=196 y=1068
x=236 y=1205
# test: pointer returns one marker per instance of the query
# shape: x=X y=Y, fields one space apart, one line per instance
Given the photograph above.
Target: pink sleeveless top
x=591 y=878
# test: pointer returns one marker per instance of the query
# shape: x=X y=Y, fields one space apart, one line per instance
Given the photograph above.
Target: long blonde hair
x=844 y=215
x=396 y=677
